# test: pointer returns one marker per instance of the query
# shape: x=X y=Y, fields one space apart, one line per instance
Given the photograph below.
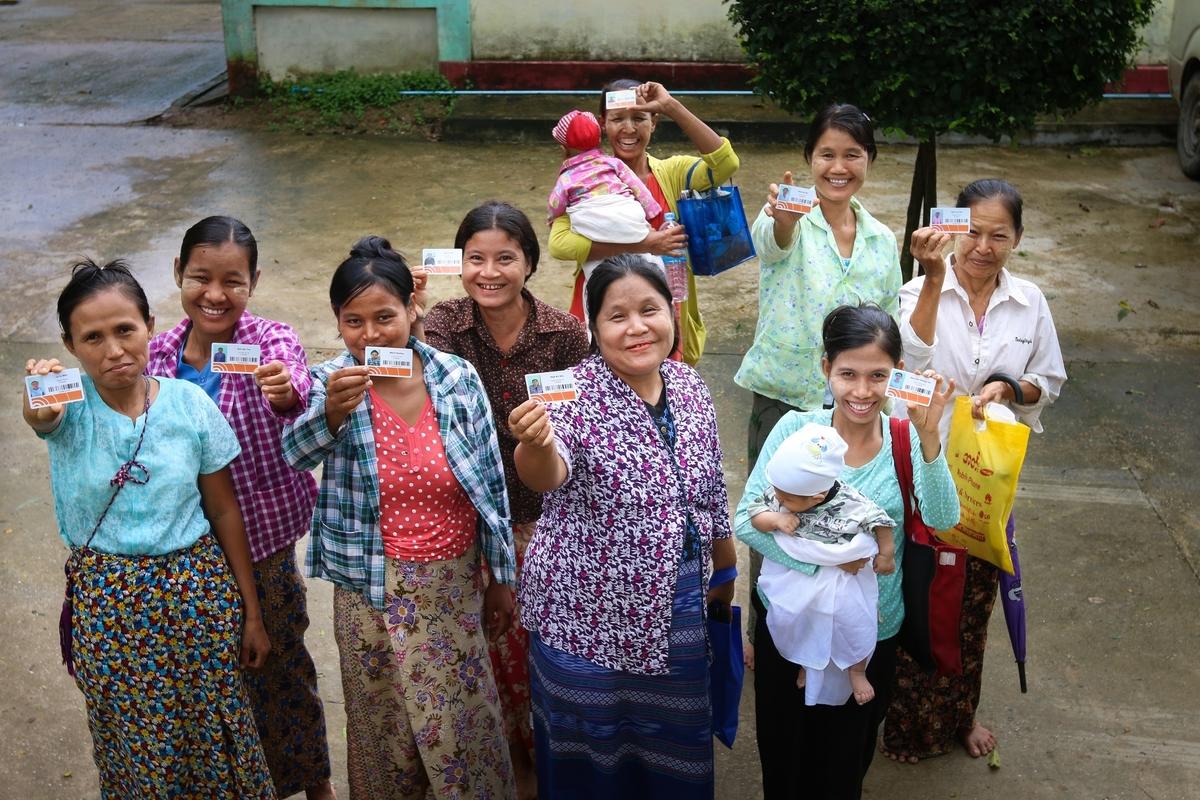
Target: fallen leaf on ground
x=1158 y=223
x=1152 y=304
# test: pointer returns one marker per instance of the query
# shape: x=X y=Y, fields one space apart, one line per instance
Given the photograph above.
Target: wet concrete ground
x=1109 y=532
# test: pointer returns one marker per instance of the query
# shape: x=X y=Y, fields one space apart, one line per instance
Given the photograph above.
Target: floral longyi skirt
x=155 y=641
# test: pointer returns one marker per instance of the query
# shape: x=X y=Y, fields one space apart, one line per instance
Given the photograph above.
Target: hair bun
x=373 y=247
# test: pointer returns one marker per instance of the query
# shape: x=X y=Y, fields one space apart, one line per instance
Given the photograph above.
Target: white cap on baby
x=808 y=461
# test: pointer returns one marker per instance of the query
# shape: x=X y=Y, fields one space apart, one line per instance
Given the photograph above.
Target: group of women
x=181 y=493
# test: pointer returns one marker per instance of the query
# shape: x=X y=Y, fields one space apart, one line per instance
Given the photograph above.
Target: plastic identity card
x=231 y=357
x=442 y=260
x=55 y=389
x=389 y=362
x=910 y=387
x=551 y=387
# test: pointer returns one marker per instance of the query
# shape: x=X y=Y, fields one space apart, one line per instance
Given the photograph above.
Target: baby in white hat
x=806 y=500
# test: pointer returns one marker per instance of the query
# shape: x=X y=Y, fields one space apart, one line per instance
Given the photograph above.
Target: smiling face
x=215 y=286
x=494 y=269
x=374 y=318
x=839 y=165
x=634 y=329
x=629 y=132
x=858 y=379
x=984 y=251
x=110 y=338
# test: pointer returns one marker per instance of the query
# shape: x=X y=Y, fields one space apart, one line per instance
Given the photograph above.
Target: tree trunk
x=922 y=197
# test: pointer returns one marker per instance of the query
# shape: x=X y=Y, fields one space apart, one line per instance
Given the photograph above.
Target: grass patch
x=349 y=102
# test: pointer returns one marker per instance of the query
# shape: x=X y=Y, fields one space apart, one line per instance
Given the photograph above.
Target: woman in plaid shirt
x=412 y=495
x=217 y=271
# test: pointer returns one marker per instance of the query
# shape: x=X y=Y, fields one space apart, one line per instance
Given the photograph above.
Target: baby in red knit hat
x=604 y=199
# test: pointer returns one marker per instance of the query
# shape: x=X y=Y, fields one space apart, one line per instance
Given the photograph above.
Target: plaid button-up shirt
x=346 y=546
x=276 y=500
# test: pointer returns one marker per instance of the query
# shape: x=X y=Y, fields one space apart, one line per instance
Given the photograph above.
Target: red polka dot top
x=425 y=514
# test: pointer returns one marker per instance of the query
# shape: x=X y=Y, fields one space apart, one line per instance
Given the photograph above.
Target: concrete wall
x=1157 y=34
x=613 y=30
x=293 y=41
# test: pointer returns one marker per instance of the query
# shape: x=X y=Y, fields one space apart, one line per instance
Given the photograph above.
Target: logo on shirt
x=1024 y=341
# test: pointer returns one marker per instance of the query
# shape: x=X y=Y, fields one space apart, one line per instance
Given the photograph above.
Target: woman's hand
x=747 y=653
x=926 y=247
x=722 y=593
x=785 y=221
x=926 y=418
x=655 y=99
x=666 y=242
x=255 y=644
x=46 y=418
x=420 y=295
x=854 y=566
x=994 y=392
x=274 y=380
x=497 y=610
x=530 y=424
x=346 y=389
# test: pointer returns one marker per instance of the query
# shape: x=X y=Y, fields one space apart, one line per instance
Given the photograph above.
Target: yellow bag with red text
x=985 y=459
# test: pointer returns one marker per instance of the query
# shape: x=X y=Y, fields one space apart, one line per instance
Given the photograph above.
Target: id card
x=622 y=98
x=551 y=387
x=951 y=220
x=910 y=387
x=442 y=260
x=797 y=199
x=243 y=358
x=389 y=362
x=57 y=388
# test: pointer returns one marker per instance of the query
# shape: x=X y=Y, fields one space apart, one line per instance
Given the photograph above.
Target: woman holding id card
x=412 y=496
x=161 y=611
x=969 y=318
x=616 y=577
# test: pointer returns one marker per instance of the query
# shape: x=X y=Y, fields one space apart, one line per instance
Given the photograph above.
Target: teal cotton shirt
x=936 y=497
x=798 y=286
x=187 y=437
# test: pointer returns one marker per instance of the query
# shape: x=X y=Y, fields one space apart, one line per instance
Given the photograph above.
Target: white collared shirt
x=1018 y=339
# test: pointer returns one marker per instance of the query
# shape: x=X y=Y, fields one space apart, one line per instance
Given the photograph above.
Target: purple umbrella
x=1014 y=606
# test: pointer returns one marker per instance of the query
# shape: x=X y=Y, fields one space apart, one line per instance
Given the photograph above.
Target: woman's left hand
x=255 y=645
x=420 y=295
x=926 y=418
x=994 y=392
x=724 y=593
x=497 y=610
x=274 y=380
x=654 y=98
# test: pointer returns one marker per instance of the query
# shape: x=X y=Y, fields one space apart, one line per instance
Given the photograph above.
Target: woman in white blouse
x=971 y=320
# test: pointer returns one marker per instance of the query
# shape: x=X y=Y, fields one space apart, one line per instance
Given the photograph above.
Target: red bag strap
x=902 y=459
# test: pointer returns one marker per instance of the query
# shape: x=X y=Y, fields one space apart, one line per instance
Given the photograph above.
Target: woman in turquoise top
x=159 y=614
x=826 y=750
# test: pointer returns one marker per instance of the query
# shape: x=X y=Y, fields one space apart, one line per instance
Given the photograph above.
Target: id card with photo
x=389 y=362
x=950 y=220
x=910 y=387
x=551 y=387
x=797 y=199
x=57 y=388
x=442 y=260
x=622 y=98
x=232 y=357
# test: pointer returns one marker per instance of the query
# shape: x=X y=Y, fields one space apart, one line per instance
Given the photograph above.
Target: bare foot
x=899 y=758
x=322 y=791
x=864 y=692
x=800 y=679
x=979 y=741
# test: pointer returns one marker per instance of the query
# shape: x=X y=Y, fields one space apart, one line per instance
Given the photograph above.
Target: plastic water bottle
x=676 y=267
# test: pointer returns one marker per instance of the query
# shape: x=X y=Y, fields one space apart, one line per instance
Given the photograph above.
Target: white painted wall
x=612 y=30
x=293 y=41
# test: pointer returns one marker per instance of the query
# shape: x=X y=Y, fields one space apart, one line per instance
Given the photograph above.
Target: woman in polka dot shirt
x=412 y=494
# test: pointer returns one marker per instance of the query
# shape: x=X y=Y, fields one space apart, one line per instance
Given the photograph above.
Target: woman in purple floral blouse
x=615 y=578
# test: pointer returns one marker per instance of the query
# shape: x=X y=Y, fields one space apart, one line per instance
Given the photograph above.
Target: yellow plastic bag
x=985 y=458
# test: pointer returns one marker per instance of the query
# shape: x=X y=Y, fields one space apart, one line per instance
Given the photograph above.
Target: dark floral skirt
x=929 y=715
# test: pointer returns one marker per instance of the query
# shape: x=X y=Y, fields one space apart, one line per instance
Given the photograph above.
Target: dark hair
x=993 y=189
x=850 y=327
x=216 y=231
x=89 y=279
x=495 y=215
x=612 y=86
x=844 y=117
x=611 y=270
x=372 y=262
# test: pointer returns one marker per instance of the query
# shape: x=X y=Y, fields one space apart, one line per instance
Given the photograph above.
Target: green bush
x=335 y=95
x=927 y=67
